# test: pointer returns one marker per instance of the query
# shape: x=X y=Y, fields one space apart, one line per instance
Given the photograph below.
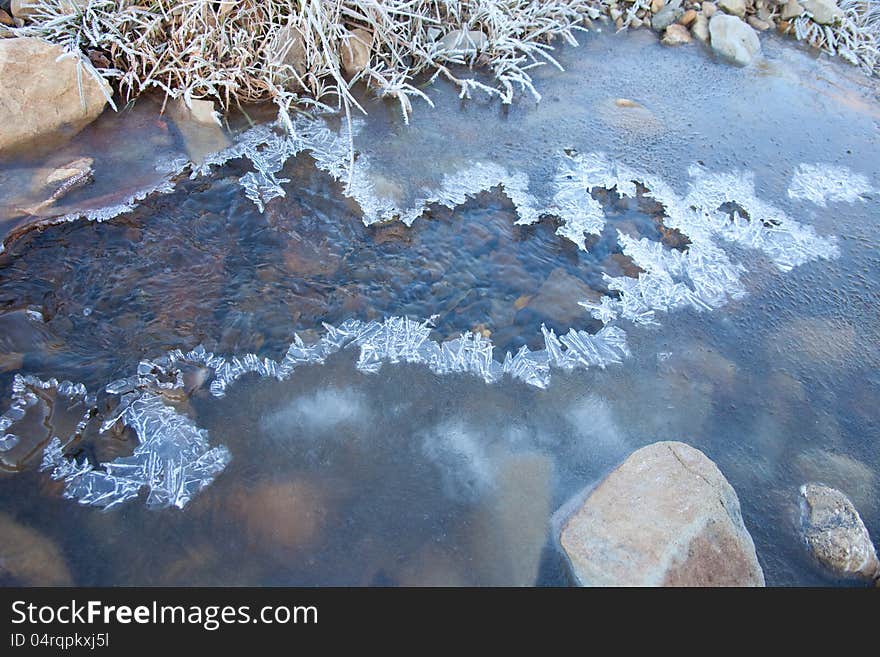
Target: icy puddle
x=255 y=378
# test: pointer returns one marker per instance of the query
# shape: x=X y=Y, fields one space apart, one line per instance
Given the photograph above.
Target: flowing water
x=340 y=474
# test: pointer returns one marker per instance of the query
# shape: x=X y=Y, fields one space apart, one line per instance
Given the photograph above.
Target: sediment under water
x=408 y=477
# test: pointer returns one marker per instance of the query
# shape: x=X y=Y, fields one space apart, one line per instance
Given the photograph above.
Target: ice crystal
x=820 y=183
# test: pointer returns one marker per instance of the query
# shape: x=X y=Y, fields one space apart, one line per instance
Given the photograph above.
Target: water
x=407 y=477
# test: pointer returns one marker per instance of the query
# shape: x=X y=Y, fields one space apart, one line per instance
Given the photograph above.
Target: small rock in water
x=199 y=127
x=6 y=19
x=835 y=533
x=676 y=35
x=28 y=558
x=558 y=297
x=688 y=17
x=626 y=102
x=734 y=7
x=667 y=16
x=665 y=517
x=824 y=12
x=657 y=5
x=733 y=39
x=709 y=9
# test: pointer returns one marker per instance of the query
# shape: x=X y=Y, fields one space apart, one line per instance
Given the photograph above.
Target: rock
x=557 y=298
x=55 y=183
x=709 y=9
x=657 y=5
x=792 y=9
x=28 y=558
x=24 y=8
x=665 y=517
x=625 y=102
x=856 y=479
x=835 y=533
x=11 y=361
x=278 y=515
x=356 y=51
x=734 y=7
x=508 y=529
x=43 y=94
x=667 y=16
x=733 y=39
x=700 y=28
x=758 y=24
x=676 y=35
x=470 y=42
x=287 y=51
x=6 y=19
x=688 y=17
x=197 y=125
x=824 y=12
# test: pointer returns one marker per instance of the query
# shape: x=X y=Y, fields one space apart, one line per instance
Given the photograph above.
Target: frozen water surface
x=269 y=373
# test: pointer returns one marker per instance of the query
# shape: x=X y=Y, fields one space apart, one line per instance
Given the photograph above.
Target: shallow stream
x=761 y=349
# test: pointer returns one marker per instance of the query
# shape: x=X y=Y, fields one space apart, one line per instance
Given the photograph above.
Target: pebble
x=676 y=35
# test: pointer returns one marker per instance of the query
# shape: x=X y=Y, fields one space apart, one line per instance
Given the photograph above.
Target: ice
x=173 y=460
x=23 y=397
x=820 y=183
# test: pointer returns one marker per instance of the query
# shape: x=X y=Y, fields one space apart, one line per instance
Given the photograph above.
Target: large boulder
x=835 y=533
x=41 y=100
x=733 y=39
x=665 y=517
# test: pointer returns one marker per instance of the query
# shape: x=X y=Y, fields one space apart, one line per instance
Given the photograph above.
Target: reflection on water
x=406 y=477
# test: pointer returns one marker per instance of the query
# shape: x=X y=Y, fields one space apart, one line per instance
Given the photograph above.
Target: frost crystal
x=173 y=461
x=820 y=183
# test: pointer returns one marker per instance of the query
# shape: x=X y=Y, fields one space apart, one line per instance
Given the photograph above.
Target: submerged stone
x=835 y=533
x=665 y=517
x=28 y=558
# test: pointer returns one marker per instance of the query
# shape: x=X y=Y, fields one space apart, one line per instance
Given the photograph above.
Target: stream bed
x=666 y=247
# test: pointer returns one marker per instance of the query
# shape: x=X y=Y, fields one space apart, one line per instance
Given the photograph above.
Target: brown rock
x=28 y=558
x=665 y=517
x=657 y=5
x=355 y=51
x=792 y=9
x=558 y=297
x=688 y=17
x=676 y=35
x=835 y=533
x=286 y=515
x=43 y=94
x=287 y=52
x=758 y=24
x=11 y=361
x=6 y=19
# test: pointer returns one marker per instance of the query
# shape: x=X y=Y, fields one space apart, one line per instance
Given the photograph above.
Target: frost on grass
x=293 y=53
x=854 y=35
x=821 y=183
